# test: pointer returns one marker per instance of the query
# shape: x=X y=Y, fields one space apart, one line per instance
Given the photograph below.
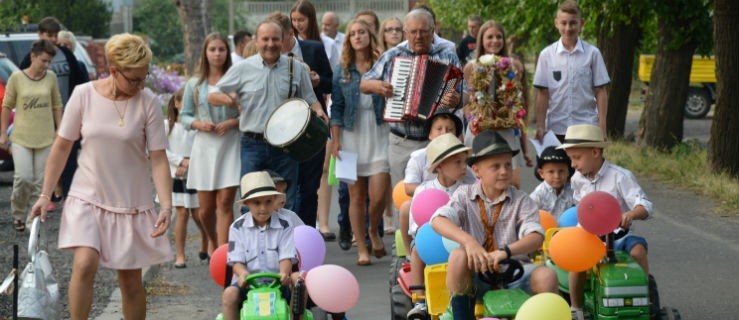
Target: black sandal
x=20 y=226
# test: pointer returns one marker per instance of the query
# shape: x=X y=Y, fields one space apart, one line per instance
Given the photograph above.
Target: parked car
x=17 y=45
x=6 y=69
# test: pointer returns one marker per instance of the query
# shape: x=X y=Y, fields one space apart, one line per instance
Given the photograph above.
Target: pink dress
x=110 y=207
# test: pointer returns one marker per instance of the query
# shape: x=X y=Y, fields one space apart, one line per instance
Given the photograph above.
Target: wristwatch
x=507 y=251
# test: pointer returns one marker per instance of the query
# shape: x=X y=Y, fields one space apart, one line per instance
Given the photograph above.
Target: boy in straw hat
x=584 y=145
x=416 y=171
x=492 y=221
x=446 y=157
x=554 y=193
x=261 y=240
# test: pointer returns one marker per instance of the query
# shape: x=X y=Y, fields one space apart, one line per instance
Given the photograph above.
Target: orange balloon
x=399 y=195
x=547 y=220
x=576 y=250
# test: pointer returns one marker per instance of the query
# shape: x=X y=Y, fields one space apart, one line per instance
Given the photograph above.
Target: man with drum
x=257 y=86
x=406 y=137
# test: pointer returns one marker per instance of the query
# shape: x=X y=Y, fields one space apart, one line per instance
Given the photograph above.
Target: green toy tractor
x=618 y=288
x=264 y=300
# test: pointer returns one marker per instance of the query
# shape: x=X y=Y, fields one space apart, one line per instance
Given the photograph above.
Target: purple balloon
x=310 y=246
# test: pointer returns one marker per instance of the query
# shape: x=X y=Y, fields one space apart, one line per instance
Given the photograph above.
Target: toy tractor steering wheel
x=252 y=280
x=512 y=270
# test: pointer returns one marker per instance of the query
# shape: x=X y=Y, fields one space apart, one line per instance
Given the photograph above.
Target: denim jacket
x=205 y=112
x=345 y=99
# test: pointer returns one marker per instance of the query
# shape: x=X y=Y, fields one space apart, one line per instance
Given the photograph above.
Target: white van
x=17 y=45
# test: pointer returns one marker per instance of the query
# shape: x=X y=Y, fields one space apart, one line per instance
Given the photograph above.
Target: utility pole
x=230 y=16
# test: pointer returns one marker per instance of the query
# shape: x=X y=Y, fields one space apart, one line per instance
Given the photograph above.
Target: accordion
x=419 y=83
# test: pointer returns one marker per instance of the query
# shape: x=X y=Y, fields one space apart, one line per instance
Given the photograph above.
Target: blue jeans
x=257 y=155
x=309 y=179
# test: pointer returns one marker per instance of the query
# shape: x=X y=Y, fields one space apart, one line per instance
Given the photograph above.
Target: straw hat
x=257 y=184
x=488 y=143
x=444 y=146
x=584 y=136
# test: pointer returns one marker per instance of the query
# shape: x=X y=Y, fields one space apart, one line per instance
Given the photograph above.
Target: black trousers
x=309 y=180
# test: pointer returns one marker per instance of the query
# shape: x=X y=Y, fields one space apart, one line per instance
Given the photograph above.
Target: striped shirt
x=548 y=200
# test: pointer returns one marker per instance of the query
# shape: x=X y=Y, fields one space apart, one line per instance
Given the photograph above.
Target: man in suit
x=314 y=55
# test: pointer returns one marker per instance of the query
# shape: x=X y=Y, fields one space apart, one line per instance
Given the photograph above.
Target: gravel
x=61 y=260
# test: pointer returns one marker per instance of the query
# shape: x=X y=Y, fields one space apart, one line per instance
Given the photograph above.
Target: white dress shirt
x=548 y=199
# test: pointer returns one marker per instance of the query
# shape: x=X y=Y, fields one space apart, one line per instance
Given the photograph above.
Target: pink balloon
x=310 y=246
x=425 y=204
x=599 y=213
x=333 y=288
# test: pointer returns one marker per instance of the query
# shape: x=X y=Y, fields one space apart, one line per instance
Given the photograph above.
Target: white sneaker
x=419 y=312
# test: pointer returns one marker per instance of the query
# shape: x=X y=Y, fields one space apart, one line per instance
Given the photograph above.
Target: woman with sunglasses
x=109 y=217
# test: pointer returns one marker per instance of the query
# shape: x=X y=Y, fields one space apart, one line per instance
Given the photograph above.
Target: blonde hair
x=127 y=51
x=69 y=36
x=348 y=55
x=381 y=35
x=250 y=49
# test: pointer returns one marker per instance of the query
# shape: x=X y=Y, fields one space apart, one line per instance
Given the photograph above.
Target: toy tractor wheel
x=395 y=267
x=400 y=303
x=667 y=313
x=654 y=308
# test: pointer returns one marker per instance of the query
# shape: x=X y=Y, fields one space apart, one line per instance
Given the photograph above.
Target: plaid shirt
x=518 y=217
x=382 y=69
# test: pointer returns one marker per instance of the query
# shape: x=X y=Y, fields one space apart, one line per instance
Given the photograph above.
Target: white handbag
x=38 y=295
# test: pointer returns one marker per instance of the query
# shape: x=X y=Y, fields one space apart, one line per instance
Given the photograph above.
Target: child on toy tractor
x=261 y=240
x=492 y=221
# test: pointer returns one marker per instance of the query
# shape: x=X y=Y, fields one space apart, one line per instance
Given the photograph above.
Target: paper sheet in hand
x=549 y=140
x=346 y=168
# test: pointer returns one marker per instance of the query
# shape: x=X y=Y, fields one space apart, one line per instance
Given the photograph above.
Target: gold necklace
x=121 y=115
x=115 y=105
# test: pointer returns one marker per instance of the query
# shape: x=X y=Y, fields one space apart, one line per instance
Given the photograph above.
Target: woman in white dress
x=215 y=159
x=357 y=126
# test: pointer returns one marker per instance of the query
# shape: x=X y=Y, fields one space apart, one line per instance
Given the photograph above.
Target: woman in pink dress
x=109 y=218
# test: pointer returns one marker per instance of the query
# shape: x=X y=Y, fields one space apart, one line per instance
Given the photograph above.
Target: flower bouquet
x=495 y=95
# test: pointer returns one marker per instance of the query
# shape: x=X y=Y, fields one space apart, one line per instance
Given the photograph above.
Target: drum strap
x=290 y=74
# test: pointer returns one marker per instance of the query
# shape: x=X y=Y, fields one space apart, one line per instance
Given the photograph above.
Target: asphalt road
x=693 y=252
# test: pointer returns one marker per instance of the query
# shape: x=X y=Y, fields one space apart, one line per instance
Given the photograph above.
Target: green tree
x=723 y=147
x=684 y=26
x=618 y=26
x=162 y=28
x=83 y=17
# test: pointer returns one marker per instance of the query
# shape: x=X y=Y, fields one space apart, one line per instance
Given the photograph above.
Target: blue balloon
x=429 y=245
x=449 y=245
x=568 y=218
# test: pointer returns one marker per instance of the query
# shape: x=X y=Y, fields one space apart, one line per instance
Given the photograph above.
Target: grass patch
x=159 y=286
x=684 y=167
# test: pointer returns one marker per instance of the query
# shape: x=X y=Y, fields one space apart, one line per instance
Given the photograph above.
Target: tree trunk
x=723 y=147
x=661 y=123
x=618 y=49
x=195 y=16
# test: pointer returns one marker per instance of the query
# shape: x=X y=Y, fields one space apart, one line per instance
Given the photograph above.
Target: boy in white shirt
x=416 y=172
x=584 y=145
x=446 y=157
x=553 y=194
